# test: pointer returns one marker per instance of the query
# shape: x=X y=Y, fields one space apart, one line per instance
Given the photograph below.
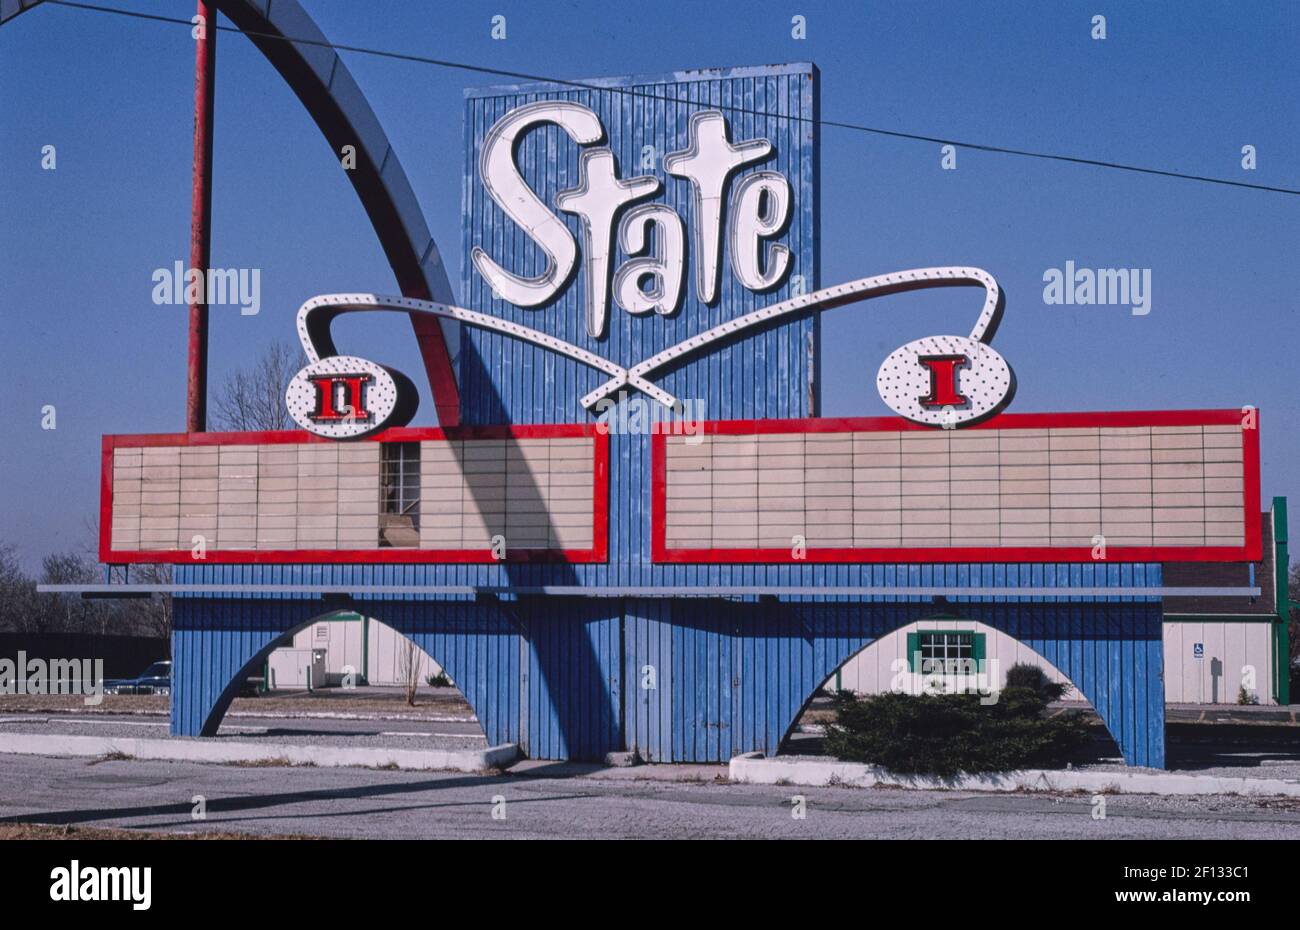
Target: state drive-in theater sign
x=596 y=569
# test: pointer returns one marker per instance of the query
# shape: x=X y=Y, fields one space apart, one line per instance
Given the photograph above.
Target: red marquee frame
x=599 y=552
x=1251 y=551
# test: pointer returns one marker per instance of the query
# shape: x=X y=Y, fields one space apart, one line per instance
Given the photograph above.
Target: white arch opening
x=945 y=645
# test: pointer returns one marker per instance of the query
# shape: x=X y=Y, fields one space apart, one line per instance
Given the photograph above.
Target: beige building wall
x=883 y=665
x=1232 y=655
x=380 y=664
x=1232 y=652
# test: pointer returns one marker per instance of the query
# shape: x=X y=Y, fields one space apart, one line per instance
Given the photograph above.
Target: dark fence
x=124 y=656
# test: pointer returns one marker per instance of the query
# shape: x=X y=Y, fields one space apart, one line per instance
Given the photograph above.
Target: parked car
x=156 y=679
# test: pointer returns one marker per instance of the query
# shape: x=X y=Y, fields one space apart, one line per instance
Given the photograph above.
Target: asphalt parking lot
x=566 y=801
x=541 y=799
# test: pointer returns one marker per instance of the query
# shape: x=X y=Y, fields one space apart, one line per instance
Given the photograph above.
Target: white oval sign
x=945 y=381
x=346 y=397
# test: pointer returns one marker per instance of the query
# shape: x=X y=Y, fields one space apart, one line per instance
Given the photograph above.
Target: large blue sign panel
x=574 y=193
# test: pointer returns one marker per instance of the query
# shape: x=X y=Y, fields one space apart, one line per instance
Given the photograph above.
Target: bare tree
x=408 y=666
x=69 y=612
x=249 y=399
x=23 y=610
x=253 y=398
x=153 y=616
x=20 y=607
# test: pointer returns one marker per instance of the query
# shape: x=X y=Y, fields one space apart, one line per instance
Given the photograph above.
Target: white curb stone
x=756 y=769
x=225 y=751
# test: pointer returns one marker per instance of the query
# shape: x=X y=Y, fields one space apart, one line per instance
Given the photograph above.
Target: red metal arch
x=332 y=96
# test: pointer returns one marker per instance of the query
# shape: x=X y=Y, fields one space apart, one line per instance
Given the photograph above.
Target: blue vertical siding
x=740 y=674
x=565 y=677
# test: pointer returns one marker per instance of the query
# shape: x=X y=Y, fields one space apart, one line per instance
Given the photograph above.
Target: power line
x=583 y=85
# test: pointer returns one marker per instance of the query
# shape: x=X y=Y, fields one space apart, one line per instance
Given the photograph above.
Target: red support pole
x=205 y=67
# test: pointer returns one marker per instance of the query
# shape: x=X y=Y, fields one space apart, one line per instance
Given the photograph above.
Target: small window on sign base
x=945 y=652
x=399 y=495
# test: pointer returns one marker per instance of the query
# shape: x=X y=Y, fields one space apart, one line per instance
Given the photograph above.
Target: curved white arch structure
x=826 y=299
x=315 y=316
x=313 y=332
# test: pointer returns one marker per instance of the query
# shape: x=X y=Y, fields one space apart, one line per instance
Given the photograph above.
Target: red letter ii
x=943 y=380
x=326 y=385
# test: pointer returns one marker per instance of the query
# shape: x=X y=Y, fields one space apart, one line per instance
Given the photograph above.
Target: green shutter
x=977 y=650
x=913 y=646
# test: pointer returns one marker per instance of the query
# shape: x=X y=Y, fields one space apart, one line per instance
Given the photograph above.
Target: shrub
x=947 y=734
x=439 y=680
x=1023 y=675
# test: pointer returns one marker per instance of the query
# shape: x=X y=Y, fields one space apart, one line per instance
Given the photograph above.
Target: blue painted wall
x=570 y=677
x=740 y=674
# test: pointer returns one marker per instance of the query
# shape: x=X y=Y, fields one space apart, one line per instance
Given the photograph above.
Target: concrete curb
x=754 y=768
x=340 y=715
x=15 y=716
x=227 y=752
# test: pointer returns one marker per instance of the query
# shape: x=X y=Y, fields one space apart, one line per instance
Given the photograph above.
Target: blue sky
x=1181 y=86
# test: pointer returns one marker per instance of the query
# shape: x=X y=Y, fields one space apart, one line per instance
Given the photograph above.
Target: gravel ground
x=27 y=831
x=371 y=700
x=551 y=801
x=570 y=800
x=1252 y=766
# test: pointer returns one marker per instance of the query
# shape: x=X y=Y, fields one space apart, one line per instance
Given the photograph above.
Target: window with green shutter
x=946 y=652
